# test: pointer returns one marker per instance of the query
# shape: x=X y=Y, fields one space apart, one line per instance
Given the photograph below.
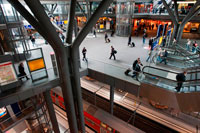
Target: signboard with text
x=7 y=73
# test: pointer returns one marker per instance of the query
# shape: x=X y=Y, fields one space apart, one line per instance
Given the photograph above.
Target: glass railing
x=11 y=120
x=52 y=75
x=166 y=79
x=127 y=100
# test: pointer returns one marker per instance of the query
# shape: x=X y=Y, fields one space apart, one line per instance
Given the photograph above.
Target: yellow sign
x=36 y=64
x=101 y=26
x=160 y=41
x=65 y=22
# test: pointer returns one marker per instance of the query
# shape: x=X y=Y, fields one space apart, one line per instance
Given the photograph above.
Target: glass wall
x=124 y=17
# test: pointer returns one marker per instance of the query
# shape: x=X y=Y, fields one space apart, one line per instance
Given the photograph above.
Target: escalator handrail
x=168 y=72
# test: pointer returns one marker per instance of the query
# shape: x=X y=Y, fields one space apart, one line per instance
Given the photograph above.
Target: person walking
x=149 y=57
x=112 y=33
x=113 y=52
x=181 y=77
x=94 y=33
x=22 y=73
x=151 y=43
x=129 y=40
x=106 y=37
x=84 y=53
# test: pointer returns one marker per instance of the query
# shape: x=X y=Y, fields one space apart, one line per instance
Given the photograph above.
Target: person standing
x=194 y=47
x=129 y=40
x=164 y=41
x=188 y=44
x=181 y=77
x=22 y=73
x=149 y=57
x=33 y=40
x=144 y=38
x=136 y=68
x=164 y=57
x=84 y=53
x=113 y=52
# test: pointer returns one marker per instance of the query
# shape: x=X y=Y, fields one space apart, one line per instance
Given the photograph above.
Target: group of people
x=194 y=46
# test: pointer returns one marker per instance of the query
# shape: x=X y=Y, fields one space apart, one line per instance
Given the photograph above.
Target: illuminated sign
x=7 y=73
x=101 y=26
x=160 y=41
x=36 y=64
x=3 y=112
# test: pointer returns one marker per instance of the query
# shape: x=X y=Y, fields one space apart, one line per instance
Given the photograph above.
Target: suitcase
x=127 y=71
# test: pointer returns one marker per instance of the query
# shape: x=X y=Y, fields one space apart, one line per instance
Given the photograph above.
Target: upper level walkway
x=108 y=71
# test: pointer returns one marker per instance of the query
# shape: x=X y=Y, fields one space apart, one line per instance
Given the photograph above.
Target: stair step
x=192 y=88
x=198 y=88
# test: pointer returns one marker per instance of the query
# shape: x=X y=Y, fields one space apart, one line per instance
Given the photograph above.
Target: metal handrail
x=168 y=72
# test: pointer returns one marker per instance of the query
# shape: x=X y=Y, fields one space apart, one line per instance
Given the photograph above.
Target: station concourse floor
x=99 y=51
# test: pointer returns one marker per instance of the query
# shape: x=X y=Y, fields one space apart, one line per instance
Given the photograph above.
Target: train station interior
x=99 y=66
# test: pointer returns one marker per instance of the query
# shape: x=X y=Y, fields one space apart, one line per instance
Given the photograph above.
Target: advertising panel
x=36 y=64
x=7 y=73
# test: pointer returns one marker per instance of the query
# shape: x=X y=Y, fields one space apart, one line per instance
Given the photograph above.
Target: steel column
x=112 y=90
x=70 y=24
x=75 y=58
x=51 y=111
x=62 y=60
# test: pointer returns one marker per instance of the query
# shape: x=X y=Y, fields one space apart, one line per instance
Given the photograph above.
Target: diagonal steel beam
x=170 y=12
x=91 y=22
x=176 y=10
x=75 y=50
x=81 y=9
x=62 y=59
x=191 y=11
x=70 y=26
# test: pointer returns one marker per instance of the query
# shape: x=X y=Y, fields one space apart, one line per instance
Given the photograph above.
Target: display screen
x=3 y=112
x=36 y=64
x=7 y=73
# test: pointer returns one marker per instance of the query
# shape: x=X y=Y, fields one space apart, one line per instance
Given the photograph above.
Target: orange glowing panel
x=36 y=64
x=101 y=26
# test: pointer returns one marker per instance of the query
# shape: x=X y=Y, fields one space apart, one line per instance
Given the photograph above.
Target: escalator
x=159 y=85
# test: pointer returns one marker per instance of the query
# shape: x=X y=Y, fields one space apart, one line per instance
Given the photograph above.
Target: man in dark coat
x=181 y=77
x=129 y=40
x=84 y=53
x=136 y=68
x=113 y=52
x=22 y=73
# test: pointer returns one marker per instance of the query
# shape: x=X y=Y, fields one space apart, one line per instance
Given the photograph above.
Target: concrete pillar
x=51 y=111
x=112 y=90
